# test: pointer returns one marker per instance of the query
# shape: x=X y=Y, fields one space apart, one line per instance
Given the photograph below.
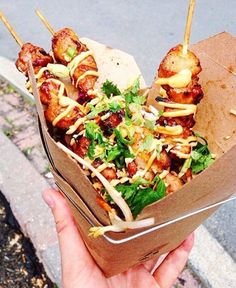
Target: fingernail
x=49 y=200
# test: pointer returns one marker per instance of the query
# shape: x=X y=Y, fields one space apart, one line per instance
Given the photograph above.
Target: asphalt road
x=145 y=29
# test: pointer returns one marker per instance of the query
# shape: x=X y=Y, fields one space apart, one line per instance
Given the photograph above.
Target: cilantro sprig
x=110 y=89
x=201 y=158
x=94 y=133
x=120 y=151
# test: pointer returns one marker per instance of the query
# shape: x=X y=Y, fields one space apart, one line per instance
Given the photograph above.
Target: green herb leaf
x=120 y=151
x=201 y=157
x=131 y=96
x=113 y=153
x=114 y=107
x=71 y=52
x=110 y=89
x=120 y=139
x=91 y=150
x=138 y=197
x=96 y=110
x=94 y=133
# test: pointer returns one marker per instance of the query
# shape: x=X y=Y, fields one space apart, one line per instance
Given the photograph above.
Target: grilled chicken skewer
x=52 y=90
x=70 y=51
x=178 y=77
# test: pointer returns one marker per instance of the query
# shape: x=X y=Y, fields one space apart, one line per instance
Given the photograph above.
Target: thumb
x=72 y=247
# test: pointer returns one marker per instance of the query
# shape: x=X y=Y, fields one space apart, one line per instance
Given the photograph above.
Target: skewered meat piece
x=38 y=56
x=47 y=89
x=175 y=61
x=54 y=109
x=185 y=90
x=66 y=46
x=185 y=121
x=86 y=83
x=192 y=94
x=64 y=43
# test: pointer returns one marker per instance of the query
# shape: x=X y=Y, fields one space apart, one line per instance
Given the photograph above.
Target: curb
x=211 y=263
x=22 y=186
x=9 y=73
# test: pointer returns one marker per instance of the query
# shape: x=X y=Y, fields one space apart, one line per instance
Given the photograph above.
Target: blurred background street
x=145 y=29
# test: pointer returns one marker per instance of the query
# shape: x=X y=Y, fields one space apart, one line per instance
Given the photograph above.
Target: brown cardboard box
x=116 y=252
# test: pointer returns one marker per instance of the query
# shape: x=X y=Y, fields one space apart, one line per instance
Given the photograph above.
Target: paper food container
x=116 y=252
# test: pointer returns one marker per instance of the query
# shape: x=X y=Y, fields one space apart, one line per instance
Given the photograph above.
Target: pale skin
x=80 y=271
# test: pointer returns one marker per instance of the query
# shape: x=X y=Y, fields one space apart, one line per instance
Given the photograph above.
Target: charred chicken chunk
x=192 y=94
x=46 y=90
x=66 y=45
x=111 y=122
x=38 y=56
x=109 y=173
x=173 y=182
x=86 y=83
x=175 y=61
x=54 y=109
x=162 y=163
x=184 y=121
x=81 y=146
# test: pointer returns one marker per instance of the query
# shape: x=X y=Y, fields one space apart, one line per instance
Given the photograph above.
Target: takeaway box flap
x=221 y=48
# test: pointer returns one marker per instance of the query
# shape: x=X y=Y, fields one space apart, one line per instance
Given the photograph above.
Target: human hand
x=79 y=270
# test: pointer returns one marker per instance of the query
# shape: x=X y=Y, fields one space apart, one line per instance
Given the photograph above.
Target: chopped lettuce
x=138 y=197
x=148 y=144
x=150 y=124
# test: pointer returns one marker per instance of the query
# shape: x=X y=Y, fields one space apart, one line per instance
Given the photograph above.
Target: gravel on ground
x=20 y=267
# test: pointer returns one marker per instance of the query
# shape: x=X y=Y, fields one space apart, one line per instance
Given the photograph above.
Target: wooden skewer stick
x=10 y=29
x=188 y=25
x=45 y=22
